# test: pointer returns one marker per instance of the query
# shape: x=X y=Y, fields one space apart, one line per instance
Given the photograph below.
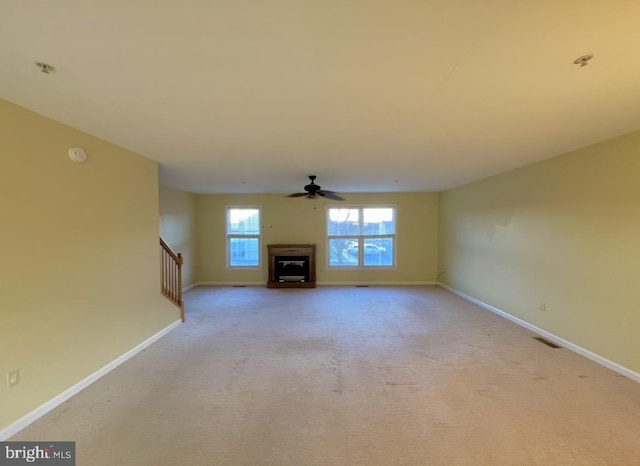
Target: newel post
x=179 y=262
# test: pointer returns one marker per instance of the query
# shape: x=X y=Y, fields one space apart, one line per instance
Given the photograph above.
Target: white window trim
x=360 y=265
x=229 y=236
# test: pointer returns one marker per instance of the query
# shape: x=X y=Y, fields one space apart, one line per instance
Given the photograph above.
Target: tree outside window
x=361 y=236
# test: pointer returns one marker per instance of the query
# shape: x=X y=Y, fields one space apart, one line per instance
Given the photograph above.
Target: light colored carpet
x=349 y=376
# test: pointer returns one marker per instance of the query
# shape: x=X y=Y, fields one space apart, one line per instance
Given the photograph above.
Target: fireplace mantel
x=292 y=265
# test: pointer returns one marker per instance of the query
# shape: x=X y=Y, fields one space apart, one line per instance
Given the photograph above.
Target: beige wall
x=177 y=228
x=79 y=282
x=565 y=232
x=286 y=220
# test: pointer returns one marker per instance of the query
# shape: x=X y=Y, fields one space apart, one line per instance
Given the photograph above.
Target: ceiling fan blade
x=331 y=195
x=298 y=194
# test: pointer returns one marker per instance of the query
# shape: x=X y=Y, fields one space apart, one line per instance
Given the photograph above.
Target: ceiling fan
x=312 y=190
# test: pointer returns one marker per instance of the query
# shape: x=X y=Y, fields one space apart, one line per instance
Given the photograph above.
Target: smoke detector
x=77 y=154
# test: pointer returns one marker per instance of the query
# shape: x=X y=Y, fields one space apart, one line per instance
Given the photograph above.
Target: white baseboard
x=188 y=287
x=550 y=336
x=323 y=283
x=375 y=283
x=24 y=421
x=232 y=284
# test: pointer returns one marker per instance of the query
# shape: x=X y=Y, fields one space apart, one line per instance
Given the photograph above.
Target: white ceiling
x=369 y=95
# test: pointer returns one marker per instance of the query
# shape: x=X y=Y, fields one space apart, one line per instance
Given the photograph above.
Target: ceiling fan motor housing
x=312 y=188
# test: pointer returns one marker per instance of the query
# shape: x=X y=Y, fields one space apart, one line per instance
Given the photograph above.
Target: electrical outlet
x=13 y=378
x=543 y=307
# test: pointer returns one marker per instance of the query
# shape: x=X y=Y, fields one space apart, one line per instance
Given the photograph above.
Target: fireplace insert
x=291 y=269
x=291 y=266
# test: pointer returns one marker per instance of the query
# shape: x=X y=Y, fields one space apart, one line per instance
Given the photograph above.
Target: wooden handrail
x=171 y=276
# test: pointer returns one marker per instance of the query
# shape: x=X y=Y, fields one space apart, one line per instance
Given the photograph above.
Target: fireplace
x=292 y=265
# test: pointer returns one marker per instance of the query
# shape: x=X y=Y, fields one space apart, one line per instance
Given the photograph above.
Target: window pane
x=379 y=221
x=243 y=221
x=244 y=252
x=378 y=252
x=343 y=222
x=343 y=252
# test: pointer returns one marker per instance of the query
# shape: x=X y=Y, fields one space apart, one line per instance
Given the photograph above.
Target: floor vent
x=239 y=286
x=547 y=342
x=362 y=286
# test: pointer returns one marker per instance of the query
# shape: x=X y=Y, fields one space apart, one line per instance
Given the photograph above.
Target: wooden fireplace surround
x=304 y=251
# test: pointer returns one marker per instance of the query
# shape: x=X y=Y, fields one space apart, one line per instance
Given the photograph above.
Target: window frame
x=362 y=238
x=230 y=236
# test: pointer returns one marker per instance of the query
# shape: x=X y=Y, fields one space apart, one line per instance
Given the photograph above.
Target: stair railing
x=171 y=276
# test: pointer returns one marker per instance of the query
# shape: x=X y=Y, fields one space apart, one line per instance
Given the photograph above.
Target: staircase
x=171 y=276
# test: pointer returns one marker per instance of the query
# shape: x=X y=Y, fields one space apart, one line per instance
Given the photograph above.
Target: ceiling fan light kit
x=312 y=190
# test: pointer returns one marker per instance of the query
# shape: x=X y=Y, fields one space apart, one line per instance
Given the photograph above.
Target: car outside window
x=361 y=236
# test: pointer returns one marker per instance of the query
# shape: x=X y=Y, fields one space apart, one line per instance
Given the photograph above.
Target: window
x=361 y=236
x=243 y=236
